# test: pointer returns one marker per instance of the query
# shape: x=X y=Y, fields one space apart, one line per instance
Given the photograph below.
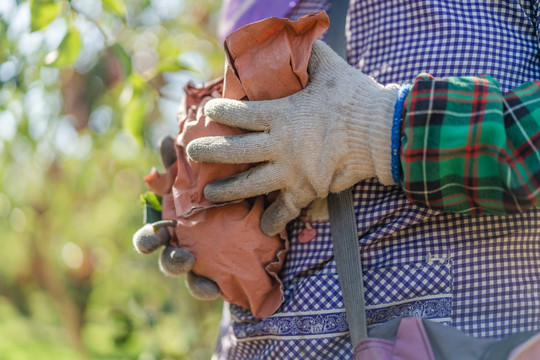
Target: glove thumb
x=278 y=214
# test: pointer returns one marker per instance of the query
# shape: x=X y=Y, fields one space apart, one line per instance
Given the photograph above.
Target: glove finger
x=279 y=213
x=147 y=239
x=167 y=149
x=176 y=261
x=239 y=149
x=255 y=181
x=200 y=287
x=248 y=115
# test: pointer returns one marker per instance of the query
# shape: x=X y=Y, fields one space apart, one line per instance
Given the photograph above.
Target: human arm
x=465 y=147
x=305 y=164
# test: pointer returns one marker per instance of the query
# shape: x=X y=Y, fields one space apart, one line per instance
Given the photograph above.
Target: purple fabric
x=530 y=350
x=237 y=13
x=411 y=343
x=373 y=349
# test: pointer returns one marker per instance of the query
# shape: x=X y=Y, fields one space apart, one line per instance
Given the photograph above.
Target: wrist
x=370 y=135
x=381 y=134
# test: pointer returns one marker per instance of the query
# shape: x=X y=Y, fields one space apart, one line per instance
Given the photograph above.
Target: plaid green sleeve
x=467 y=148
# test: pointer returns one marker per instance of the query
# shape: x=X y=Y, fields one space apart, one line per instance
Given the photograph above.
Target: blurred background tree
x=87 y=87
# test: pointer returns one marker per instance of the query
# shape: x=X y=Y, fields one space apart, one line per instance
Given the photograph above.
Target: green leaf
x=133 y=118
x=69 y=49
x=42 y=12
x=151 y=215
x=151 y=199
x=116 y=6
x=152 y=207
x=123 y=57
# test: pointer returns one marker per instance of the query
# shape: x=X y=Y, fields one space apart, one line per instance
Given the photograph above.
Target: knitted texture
x=308 y=144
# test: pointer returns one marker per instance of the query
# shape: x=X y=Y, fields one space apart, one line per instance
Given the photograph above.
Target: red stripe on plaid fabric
x=463 y=97
x=528 y=184
x=525 y=150
x=410 y=103
x=470 y=167
x=533 y=87
x=448 y=154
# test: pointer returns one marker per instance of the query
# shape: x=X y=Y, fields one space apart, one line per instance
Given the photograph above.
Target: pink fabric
x=529 y=350
x=268 y=59
x=411 y=343
x=373 y=349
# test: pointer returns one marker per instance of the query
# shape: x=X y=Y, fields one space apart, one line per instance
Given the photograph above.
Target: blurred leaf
x=123 y=57
x=138 y=82
x=117 y=6
x=133 y=117
x=93 y=169
x=124 y=326
x=69 y=48
x=42 y=12
x=152 y=200
x=4 y=51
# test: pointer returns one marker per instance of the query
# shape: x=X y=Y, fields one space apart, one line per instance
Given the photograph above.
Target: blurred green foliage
x=87 y=88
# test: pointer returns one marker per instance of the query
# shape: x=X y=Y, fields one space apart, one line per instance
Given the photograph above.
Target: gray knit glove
x=325 y=138
x=173 y=261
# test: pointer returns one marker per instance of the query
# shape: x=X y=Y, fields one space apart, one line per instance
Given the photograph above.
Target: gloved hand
x=325 y=138
x=173 y=261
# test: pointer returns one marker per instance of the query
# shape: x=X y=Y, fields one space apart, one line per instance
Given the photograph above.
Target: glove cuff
x=371 y=130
